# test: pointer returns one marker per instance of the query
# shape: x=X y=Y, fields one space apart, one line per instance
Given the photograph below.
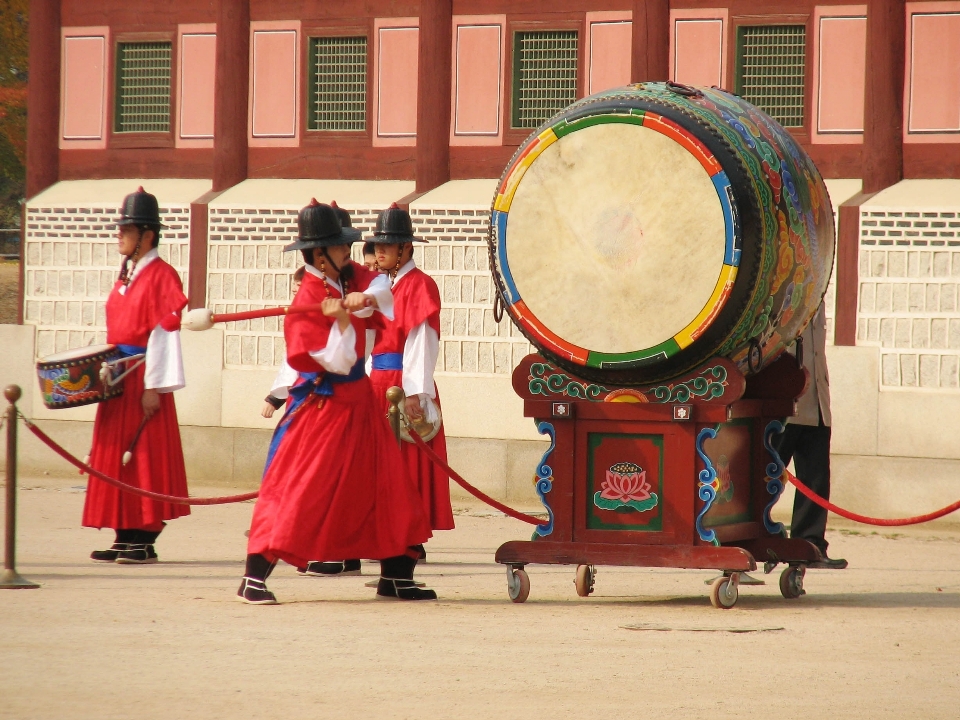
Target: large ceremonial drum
x=646 y=229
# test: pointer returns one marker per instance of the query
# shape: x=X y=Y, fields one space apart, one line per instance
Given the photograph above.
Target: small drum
x=75 y=377
x=646 y=229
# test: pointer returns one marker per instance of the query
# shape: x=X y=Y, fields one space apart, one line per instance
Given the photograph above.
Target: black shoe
x=318 y=568
x=394 y=589
x=829 y=564
x=137 y=555
x=254 y=592
x=109 y=555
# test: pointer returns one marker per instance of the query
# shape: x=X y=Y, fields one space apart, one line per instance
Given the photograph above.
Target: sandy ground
x=9 y=279
x=879 y=640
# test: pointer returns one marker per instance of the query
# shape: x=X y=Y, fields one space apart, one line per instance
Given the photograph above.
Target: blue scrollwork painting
x=545 y=479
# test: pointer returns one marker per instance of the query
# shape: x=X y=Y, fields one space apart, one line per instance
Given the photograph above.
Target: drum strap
x=388 y=361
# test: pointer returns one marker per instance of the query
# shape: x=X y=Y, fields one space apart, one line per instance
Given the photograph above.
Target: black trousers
x=809 y=448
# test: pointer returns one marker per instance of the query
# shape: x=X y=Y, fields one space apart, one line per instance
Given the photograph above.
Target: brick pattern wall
x=72 y=264
x=908 y=305
x=457 y=258
x=248 y=270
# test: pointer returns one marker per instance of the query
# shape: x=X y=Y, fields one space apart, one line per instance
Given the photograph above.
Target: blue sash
x=388 y=361
x=129 y=350
x=300 y=393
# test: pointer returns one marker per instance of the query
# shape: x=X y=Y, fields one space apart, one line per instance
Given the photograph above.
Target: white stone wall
x=908 y=304
x=72 y=263
x=472 y=343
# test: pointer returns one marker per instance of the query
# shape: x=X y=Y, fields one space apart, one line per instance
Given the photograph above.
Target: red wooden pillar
x=43 y=96
x=433 y=94
x=882 y=149
x=230 y=94
x=651 y=41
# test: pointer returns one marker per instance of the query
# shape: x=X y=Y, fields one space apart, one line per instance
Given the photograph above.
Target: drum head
x=75 y=353
x=616 y=239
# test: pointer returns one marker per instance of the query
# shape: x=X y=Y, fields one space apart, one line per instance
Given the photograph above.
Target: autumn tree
x=13 y=108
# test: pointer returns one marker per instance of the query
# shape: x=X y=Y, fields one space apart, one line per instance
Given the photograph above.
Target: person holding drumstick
x=335 y=485
x=143 y=319
x=406 y=355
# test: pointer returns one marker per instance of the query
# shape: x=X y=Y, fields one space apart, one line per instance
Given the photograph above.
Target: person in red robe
x=335 y=484
x=143 y=319
x=405 y=355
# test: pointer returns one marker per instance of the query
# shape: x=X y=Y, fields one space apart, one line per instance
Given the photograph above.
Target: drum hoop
x=107 y=352
x=731 y=258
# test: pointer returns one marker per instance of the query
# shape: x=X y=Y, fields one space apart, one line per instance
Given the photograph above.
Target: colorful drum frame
x=761 y=176
x=67 y=382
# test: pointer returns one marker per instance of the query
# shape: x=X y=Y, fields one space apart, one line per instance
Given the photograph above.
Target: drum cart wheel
x=518 y=583
x=724 y=591
x=586 y=575
x=791 y=582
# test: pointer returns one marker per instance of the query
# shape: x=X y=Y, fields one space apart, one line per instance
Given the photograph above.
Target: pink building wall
x=396 y=58
x=479 y=54
x=932 y=84
x=274 y=84
x=608 y=50
x=839 y=73
x=696 y=54
x=83 y=87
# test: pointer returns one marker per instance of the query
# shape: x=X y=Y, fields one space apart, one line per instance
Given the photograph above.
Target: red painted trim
x=21 y=271
x=848 y=270
x=931 y=160
x=43 y=96
x=199 y=212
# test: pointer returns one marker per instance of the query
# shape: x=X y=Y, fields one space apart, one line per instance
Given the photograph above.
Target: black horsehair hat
x=140 y=208
x=394 y=226
x=319 y=225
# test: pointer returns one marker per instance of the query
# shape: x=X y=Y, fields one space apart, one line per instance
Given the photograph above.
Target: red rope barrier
x=480 y=495
x=62 y=452
x=865 y=519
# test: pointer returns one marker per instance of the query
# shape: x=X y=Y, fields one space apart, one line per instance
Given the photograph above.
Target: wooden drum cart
x=680 y=474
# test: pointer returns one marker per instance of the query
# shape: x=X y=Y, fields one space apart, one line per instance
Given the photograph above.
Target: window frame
x=143 y=140
x=349 y=28
x=531 y=23
x=802 y=131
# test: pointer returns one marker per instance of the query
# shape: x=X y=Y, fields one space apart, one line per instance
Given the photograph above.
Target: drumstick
x=128 y=455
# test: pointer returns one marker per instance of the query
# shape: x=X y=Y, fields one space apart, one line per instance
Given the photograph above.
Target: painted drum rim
x=506 y=191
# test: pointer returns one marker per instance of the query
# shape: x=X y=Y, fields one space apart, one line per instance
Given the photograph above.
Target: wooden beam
x=883 y=95
x=43 y=96
x=651 y=41
x=230 y=94
x=433 y=94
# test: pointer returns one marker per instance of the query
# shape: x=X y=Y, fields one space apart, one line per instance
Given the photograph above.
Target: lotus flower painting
x=625 y=488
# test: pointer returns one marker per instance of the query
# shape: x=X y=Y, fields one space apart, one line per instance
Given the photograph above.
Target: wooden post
x=883 y=95
x=848 y=270
x=10 y=579
x=230 y=94
x=651 y=41
x=43 y=96
x=433 y=94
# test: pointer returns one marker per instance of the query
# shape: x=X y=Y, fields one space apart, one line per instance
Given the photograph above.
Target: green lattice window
x=544 y=75
x=770 y=70
x=338 y=83
x=143 y=87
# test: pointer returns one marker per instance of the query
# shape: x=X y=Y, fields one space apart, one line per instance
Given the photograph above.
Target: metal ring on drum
x=643 y=231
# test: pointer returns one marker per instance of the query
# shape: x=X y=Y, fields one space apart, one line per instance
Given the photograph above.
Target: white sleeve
x=340 y=354
x=380 y=290
x=420 y=353
x=286 y=377
x=163 y=369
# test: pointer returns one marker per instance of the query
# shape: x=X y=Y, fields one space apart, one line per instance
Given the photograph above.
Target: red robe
x=336 y=486
x=155 y=296
x=416 y=299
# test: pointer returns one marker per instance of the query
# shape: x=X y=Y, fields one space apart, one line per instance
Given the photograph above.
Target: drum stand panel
x=682 y=474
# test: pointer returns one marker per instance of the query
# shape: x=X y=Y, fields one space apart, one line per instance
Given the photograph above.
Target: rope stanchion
x=866 y=520
x=65 y=454
x=10 y=579
x=479 y=494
